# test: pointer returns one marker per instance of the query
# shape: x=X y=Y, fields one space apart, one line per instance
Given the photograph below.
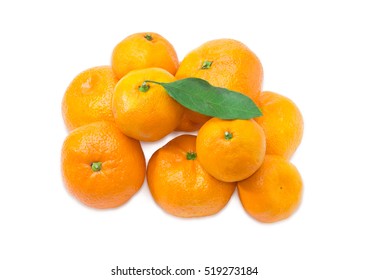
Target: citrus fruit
x=273 y=192
x=143 y=50
x=230 y=150
x=144 y=110
x=101 y=166
x=282 y=123
x=88 y=97
x=191 y=121
x=223 y=63
x=179 y=184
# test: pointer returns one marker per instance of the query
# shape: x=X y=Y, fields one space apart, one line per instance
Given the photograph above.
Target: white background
x=314 y=52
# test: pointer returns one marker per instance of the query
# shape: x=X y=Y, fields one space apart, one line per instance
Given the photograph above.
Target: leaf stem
x=154 y=82
x=144 y=87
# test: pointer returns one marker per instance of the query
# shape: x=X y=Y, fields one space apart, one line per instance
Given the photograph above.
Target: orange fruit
x=88 y=97
x=145 y=111
x=179 y=184
x=282 y=123
x=191 y=121
x=101 y=166
x=223 y=63
x=143 y=50
x=272 y=193
x=230 y=150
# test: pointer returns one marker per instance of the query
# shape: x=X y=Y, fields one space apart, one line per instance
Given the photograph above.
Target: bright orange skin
x=180 y=186
x=234 y=159
x=282 y=123
x=191 y=121
x=273 y=193
x=234 y=66
x=137 y=52
x=123 y=165
x=88 y=97
x=146 y=116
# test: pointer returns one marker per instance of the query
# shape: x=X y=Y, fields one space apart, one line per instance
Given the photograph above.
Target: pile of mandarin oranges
x=109 y=110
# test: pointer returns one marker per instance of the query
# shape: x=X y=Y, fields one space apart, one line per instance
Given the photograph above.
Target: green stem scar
x=206 y=64
x=228 y=135
x=148 y=37
x=191 y=155
x=144 y=87
x=96 y=166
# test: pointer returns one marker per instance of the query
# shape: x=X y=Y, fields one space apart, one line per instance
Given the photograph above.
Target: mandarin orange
x=273 y=192
x=101 y=166
x=88 y=97
x=223 y=63
x=282 y=123
x=143 y=110
x=230 y=150
x=143 y=50
x=179 y=184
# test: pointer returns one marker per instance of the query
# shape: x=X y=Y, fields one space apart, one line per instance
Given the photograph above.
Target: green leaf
x=200 y=96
